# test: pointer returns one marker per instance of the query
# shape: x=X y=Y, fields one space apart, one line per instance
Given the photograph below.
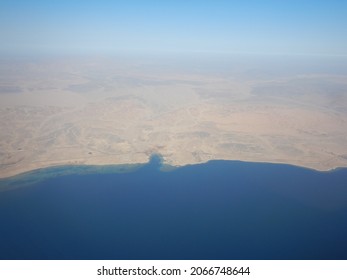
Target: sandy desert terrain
x=95 y=111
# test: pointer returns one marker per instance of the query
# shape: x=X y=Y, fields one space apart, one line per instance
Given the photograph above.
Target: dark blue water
x=217 y=210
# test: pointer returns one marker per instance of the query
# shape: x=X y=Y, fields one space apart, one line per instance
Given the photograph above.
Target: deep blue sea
x=217 y=210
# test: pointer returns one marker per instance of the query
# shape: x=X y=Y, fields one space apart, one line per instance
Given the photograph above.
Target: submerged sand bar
x=96 y=111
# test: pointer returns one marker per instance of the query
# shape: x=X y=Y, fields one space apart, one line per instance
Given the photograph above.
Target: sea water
x=216 y=210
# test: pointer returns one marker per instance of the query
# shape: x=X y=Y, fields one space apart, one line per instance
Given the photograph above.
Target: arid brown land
x=95 y=111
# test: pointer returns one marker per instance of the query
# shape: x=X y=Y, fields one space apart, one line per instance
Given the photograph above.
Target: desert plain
x=189 y=109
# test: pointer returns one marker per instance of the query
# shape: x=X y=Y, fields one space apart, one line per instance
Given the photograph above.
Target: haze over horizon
x=107 y=27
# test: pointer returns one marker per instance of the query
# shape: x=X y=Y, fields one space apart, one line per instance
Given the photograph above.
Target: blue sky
x=233 y=26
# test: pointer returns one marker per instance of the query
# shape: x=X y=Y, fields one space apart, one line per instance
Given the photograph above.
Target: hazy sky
x=258 y=26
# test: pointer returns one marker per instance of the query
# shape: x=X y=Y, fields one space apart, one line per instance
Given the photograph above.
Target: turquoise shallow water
x=217 y=210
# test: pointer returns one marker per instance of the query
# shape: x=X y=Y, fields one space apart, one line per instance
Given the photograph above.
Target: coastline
x=31 y=176
x=167 y=162
x=36 y=175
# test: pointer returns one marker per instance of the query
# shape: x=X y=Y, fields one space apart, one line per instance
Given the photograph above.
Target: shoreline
x=66 y=168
